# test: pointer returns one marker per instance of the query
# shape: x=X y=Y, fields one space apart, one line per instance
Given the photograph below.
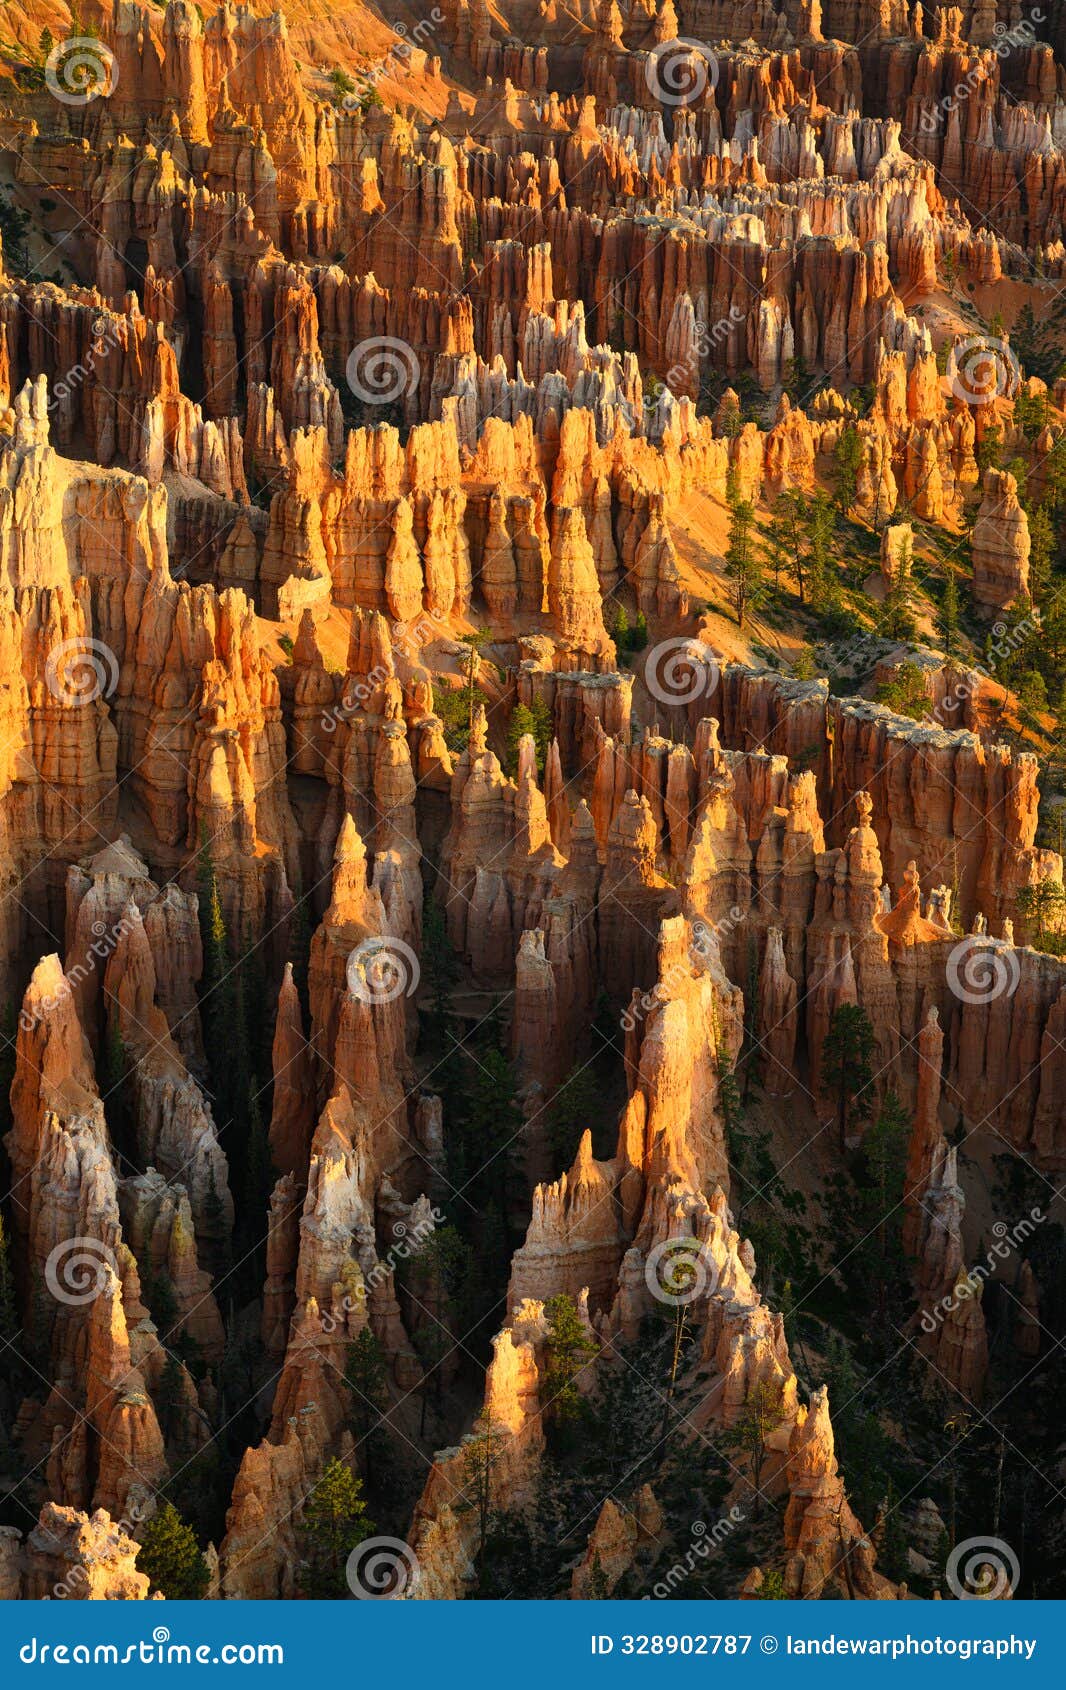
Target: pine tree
x=989 y=448
x=259 y=1176
x=620 y=630
x=786 y=538
x=897 y=618
x=171 y=1557
x=730 y=421
x=1040 y=907
x=215 y=1226
x=366 y=1377
x=334 y=1523
x=846 y=1054
x=847 y=461
x=489 y=1132
x=222 y=1026
x=480 y=1454
x=542 y=731
x=569 y=1346
x=443 y=1270
x=300 y=942
x=117 y=1087
x=569 y=1113
x=212 y=920
x=639 y=637
x=169 y=1398
x=743 y=566
x=892 y=1551
x=885 y=1155
x=820 y=527
x=521 y=723
x=164 y=1304
x=9 y=1316
x=8 y=1040
x=440 y=974
x=761 y=1415
x=948 y=615
x=474 y=642
x=1042 y=537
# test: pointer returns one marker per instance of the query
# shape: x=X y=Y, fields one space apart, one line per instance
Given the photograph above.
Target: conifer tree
x=948 y=615
x=743 y=566
x=171 y=1557
x=366 y=1377
x=569 y=1347
x=847 y=461
x=846 y=1054
x=334 y=1523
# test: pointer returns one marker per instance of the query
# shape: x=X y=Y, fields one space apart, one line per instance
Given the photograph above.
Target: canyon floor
x=532 y=785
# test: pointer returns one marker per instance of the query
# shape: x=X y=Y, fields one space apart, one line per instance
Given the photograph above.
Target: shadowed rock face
x=383 y=748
